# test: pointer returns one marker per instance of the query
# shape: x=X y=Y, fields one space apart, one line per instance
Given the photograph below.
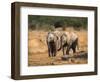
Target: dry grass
x=38 y=52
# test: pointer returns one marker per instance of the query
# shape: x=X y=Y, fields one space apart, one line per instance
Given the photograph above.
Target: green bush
x=36 y=22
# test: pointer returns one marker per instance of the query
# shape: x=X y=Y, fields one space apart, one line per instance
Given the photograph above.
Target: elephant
x=51 y=40
x=68 y=41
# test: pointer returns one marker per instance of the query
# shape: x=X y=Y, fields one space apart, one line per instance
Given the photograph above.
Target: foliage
x=36 y=22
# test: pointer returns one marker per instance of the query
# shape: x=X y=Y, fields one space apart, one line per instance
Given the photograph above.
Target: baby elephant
x=69 y=41
x=51 y=40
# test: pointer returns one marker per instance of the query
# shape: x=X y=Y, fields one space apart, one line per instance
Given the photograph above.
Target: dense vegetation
x=51 y=22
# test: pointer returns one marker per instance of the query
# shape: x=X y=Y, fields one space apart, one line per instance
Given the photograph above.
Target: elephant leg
x=68 y=49
x=74 y=46
x=74 y=49
x=54 y=54
x=55 y=49
x=49 y=51
x=63 y=50
x=50 y=55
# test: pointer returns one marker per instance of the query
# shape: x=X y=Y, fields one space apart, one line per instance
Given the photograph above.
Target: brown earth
x=38 y=52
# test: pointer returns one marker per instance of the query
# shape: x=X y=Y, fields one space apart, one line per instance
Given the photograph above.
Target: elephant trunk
x=60 y=44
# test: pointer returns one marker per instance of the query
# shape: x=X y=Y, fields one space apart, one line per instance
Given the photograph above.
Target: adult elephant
x=68 y=41
x=51 y=40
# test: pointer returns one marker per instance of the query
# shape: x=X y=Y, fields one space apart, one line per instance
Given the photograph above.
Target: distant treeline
x=36 y=22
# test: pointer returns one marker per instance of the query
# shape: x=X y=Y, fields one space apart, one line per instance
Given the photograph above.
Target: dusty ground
x=38 y=52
